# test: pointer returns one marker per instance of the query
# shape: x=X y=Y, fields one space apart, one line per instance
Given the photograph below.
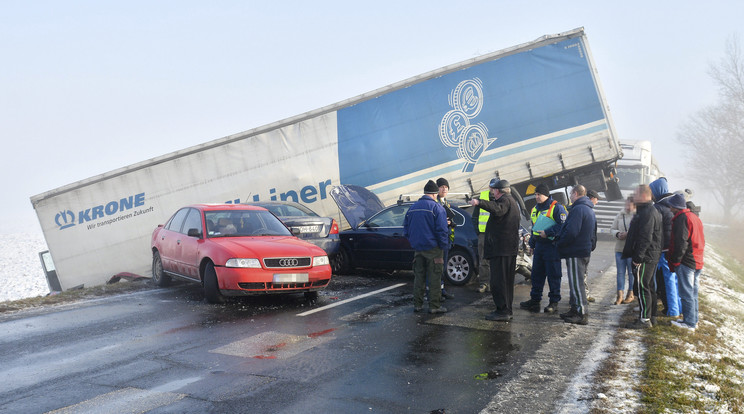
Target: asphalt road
x=358 y=348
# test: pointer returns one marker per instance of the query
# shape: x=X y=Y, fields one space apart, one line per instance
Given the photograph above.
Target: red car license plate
x=291 y=278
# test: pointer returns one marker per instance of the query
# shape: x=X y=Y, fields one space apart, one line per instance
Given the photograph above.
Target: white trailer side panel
x=100 y=229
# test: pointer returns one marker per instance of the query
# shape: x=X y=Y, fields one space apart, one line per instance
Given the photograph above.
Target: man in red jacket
x=685 y=256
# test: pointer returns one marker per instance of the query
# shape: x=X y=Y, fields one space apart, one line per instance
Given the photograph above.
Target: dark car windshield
x=236 y=223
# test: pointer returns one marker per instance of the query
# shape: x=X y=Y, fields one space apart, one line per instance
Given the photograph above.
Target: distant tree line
x=713 y=138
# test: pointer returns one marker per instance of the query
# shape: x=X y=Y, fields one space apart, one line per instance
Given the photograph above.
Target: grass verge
x=700 y=371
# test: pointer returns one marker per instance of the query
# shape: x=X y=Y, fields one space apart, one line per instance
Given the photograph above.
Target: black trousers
x=503 y=269
x=645 y=274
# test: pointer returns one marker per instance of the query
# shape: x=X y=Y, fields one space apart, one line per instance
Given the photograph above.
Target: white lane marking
x=333 y=305
x=127 y=400
x=175 y=385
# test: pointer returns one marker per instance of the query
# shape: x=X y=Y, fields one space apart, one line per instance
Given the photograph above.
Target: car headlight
x=320 y=260
x=250 y=263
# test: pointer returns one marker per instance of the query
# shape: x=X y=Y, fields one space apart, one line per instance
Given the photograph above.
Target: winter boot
x=531 y=305
x=577 y=319
x=571 y=312
x=630 y=298
x=639 y=324
x=552 y=307
x=619 y=299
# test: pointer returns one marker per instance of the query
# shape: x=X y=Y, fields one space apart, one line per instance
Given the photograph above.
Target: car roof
x=258 y=203
x=217 y=207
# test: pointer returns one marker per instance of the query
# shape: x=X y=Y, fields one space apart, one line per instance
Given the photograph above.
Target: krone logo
x=65 y=219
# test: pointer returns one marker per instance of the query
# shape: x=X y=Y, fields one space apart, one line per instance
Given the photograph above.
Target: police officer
x=547 y=217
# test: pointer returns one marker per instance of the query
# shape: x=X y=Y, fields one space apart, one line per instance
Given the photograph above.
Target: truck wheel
x=211 y=285
x=459 y=267
x=159 y=278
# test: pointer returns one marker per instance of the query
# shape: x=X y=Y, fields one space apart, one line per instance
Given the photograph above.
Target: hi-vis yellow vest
x=547 y=213
x=483 y=217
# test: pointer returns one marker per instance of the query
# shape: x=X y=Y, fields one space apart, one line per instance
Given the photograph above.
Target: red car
x=234 y=250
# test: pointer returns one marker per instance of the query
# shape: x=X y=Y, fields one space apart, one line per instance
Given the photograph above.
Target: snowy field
x=21 y=274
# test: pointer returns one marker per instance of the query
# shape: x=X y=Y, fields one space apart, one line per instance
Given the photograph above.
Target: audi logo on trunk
x=288 y=262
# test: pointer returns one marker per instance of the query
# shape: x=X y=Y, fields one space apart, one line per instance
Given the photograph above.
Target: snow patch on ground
x=620 y=393
x=21 y=274
x=725 y=304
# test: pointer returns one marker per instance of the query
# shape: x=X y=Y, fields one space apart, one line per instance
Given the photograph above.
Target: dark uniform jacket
x=559 y=216
x=645 y=237
x=502 y=229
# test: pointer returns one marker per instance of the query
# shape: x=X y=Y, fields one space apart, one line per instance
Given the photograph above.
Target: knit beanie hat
x=542 y=189
x=677 y=201
x=442 y=181
x=431 y=188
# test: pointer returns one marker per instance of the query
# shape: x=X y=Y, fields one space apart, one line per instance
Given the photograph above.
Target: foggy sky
x=89 y=87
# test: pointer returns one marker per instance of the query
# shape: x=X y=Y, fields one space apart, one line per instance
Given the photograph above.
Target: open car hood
x=356 y=203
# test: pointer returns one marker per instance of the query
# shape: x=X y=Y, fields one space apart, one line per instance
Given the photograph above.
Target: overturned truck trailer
x=530 y=113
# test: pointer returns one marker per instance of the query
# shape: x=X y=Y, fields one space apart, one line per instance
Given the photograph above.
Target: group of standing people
x=556 y=234
x=662 y=248
x=659 y=246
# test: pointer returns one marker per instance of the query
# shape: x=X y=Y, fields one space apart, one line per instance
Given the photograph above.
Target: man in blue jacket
x=575 y=242
x=425 y=227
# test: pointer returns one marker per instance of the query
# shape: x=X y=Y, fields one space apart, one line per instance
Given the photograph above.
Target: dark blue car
x=376 y=240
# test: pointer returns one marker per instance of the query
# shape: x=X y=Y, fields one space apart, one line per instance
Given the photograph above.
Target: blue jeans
x=689 y=282
x=624 y=266
x=671 y=296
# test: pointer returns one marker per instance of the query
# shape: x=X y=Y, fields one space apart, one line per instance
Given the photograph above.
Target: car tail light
x=334 y=227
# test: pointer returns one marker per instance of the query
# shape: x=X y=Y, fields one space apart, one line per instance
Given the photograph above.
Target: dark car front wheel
x=158 y=275
x=211 y=285
x=460 y=267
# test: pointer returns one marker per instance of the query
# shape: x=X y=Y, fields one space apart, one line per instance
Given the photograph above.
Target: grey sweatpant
x=576 y=267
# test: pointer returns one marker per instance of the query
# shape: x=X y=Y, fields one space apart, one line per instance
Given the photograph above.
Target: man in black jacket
x=501 y=246
x=643 y=244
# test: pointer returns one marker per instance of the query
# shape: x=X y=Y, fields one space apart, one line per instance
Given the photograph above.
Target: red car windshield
x=237 y=223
